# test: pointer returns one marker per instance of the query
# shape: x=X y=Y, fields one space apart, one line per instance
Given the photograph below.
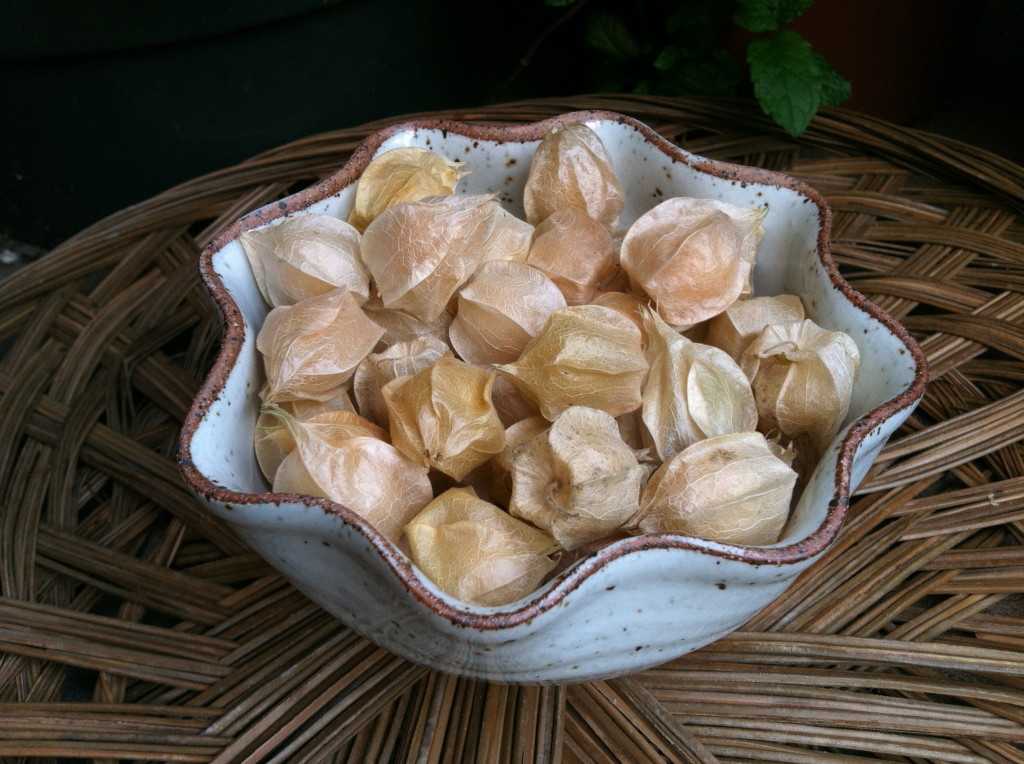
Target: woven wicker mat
x=134 y=627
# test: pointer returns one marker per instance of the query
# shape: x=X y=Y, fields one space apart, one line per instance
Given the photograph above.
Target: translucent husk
x=577 y=479
x=304 y=256
x=501 y=464
x=510 y=403
x=734 y=488
x=404 y=174
x=337 y=400
x=500 y=309
x=367 y=475
x=693 y=391
x=802 y=376
x=312 y=348
x=400 y=326
x=693 y=257
x=275 y=437
x=575 y=252
x=586 y=355
x=443 y=416
x=477 y=553
x=345 y=462
x=572 y=168
x=399 y=360
x=630 y=305
x=419 y=253
x=737 y=326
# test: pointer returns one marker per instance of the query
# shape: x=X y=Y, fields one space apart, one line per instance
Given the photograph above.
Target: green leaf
x=668 y=58
x=706 y=14
x=717 y=74
x=559 y=3
x=696 y=40
x=835 y=90
x=787 y=79
x=767 y=15
x=607 y=33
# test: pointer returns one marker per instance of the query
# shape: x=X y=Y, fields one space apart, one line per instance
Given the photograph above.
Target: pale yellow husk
x=476 y=552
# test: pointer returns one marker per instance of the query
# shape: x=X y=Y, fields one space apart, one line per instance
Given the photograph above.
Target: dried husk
x=273 y=442
x=737 y=326
x=399 y=360
x=275 y=438
x=586 y=355
x=693 y=391
x=577 y=479
x=336 y=400
x=500 y=465
x=304 y=256
x=802 y=376
x=313 y=347
x=575 y=252
x=510 y=403
x=572 y=168
x=404 y=174
x=693 y=257
x=477 y=553
x=510 y=238
x=400 y=326
x=365 y=474
x=630 y=305
x=734 y=488
x=419 y=253
x=500 y=309
x=443 y=416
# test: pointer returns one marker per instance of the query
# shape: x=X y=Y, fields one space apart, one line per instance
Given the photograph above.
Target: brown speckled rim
x=569 y=581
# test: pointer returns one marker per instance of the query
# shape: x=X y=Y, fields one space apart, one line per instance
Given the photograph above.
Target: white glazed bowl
x=633 y=604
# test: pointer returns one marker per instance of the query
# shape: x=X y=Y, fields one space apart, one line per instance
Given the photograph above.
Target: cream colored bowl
x=635 y=603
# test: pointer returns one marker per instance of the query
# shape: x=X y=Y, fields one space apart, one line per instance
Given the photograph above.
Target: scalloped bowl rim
x=551 y=595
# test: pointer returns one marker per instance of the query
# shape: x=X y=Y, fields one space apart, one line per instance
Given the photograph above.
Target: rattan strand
x=133 y=627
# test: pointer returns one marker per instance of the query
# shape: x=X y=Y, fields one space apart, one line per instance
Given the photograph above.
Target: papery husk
x=420 y=253
x=500 y=309
x=577 y=480
x=276 y=426
x=731 y=488
x=575 y=252
x=737 y=326
x=477 y=553
x=273 y=441
x=802 y=376
x=365 y=474
x=399 y=360
x=572 y=168
x=334 y=400
x=693 y=391
x=500 y=465
x=313 y=347
x=510 y=403
x=443 y=416
x=630 y=305
x=693 y=257
x=400 y=326
x=586 y=355
x=404 y=174
x=305 y=256
x=511 y=237
x=632 y=431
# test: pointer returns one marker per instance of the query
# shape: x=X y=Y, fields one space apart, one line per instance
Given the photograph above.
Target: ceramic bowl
x=635 y=603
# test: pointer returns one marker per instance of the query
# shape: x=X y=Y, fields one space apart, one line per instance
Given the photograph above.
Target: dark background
x=109 y=102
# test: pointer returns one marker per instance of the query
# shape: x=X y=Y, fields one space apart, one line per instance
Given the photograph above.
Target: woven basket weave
x=134 y=627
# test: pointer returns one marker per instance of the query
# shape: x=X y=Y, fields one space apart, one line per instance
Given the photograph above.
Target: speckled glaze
x=635 y=603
